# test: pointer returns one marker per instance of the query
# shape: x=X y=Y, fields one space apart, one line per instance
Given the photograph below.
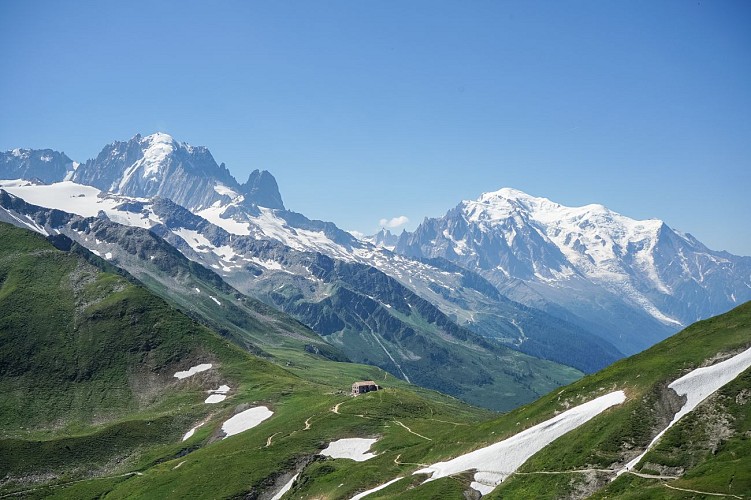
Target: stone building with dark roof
x=363 y=387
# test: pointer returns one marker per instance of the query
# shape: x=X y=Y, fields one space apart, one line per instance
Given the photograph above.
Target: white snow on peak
x=158 y=137
x=494 y=463
x=46 y=158
x=592 y=238
x=698 y=385
x=158 y=147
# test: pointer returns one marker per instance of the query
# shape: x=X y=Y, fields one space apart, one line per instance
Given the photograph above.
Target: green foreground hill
x=90 y=408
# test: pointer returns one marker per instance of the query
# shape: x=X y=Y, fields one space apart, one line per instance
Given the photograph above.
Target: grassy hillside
x=709 y=449
x=87 y=360
x=90 y=407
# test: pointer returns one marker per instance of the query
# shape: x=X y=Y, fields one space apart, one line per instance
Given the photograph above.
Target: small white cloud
x=393 y=223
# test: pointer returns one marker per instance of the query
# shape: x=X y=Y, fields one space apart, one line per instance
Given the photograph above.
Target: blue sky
x=380 y=109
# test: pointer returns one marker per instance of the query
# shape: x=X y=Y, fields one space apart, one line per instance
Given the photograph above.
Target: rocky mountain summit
x=613 y=272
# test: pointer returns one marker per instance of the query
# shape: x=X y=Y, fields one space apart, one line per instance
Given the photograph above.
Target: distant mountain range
x=615 y=275
x=501 y=292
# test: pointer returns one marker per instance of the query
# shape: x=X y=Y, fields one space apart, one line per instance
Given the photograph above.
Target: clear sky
x=370 y=110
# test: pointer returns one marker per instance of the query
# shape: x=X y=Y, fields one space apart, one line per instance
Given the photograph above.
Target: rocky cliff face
x=157 y=165
x=41 y=165
x=261 y=190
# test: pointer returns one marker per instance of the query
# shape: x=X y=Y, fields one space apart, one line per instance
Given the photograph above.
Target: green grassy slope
x=709 y=449
x=90 y=408
x=88 y=395
x=87 y=362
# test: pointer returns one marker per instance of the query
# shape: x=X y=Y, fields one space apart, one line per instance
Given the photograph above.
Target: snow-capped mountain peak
x=156 y=149
x=511 y=237
x=158 y=165
x=382 y=239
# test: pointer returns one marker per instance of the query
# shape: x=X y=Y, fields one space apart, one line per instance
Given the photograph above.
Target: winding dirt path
x=268 y=441
x=398 y=462
x=411 y=431
x=307 y=424
x=702 y=492
x=652 y=476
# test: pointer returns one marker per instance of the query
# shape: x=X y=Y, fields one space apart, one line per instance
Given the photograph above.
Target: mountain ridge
x=512 y=238
x=518 y=243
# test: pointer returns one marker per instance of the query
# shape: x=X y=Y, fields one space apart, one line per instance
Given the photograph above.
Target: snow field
x=285 y=488
x=217 y=395
x=193 y=370
x=498 y=461
x=245 y=420
x=698 y=385
x=192 y=431
x=373 y=490
x=353 y=448
x=79 y=199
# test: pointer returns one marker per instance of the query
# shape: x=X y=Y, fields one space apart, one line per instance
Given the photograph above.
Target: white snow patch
x=268 y=264
x=373 y=490
x=353 y=448
x=697 y=386
x=214 y=215
x=194 y=239
x=193 y=370
x=215 y=398
x=215 y=300
x=498 y=461
x=285 y=488
x=108 y=256
x=190 y=433
x=78 y=199
x=246 y=420
x=225 y=191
